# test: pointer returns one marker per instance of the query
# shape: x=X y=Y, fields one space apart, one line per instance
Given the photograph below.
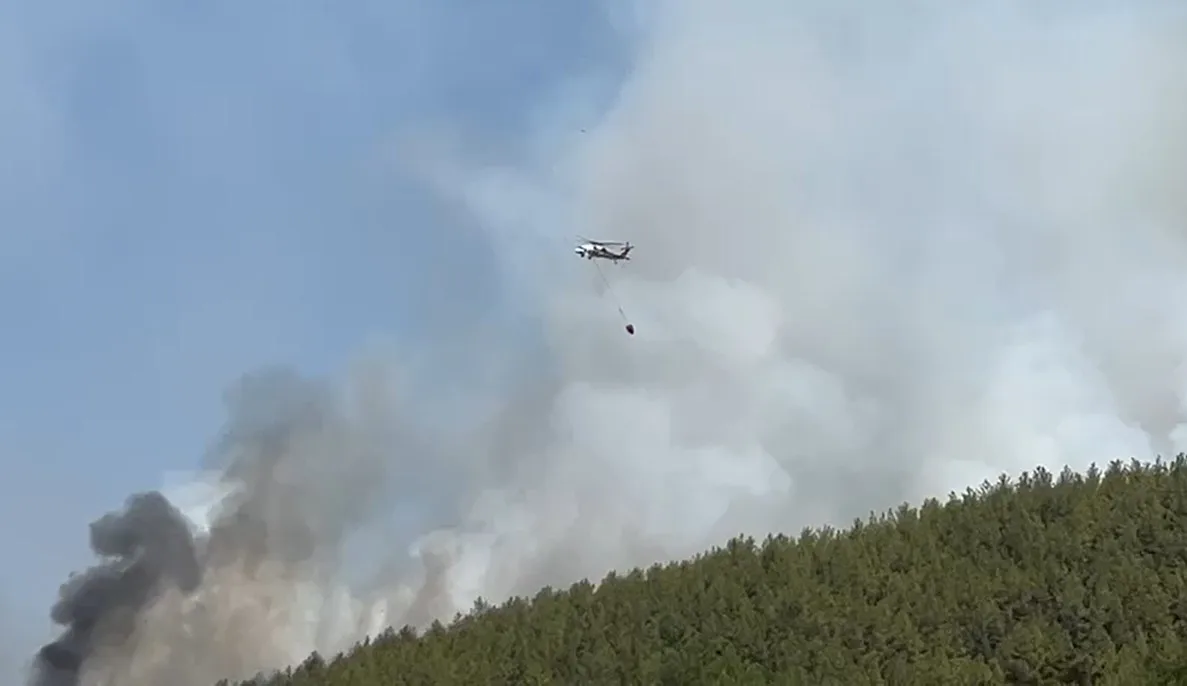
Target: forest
x=1079 y=578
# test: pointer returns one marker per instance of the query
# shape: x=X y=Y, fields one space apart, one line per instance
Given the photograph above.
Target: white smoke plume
x=883 y=253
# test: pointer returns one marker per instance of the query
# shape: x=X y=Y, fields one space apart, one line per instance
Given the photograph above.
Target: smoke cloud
x=149 y=547
x=881 y=254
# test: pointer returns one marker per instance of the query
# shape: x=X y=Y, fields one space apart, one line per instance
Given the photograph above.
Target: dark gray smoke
x=146 y=548
x=188 y=598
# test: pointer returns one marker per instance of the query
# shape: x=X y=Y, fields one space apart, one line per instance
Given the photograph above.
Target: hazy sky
x=189 y=191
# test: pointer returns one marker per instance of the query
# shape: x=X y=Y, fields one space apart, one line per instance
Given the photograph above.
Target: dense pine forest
x=1075 y=579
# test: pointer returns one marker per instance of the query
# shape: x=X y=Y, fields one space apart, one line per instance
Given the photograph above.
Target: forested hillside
x=1079 y=579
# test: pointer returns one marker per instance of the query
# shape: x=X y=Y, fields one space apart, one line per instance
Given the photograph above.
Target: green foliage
x=1080 y=579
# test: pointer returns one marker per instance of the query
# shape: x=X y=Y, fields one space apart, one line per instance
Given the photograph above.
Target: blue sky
x=189 y=191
